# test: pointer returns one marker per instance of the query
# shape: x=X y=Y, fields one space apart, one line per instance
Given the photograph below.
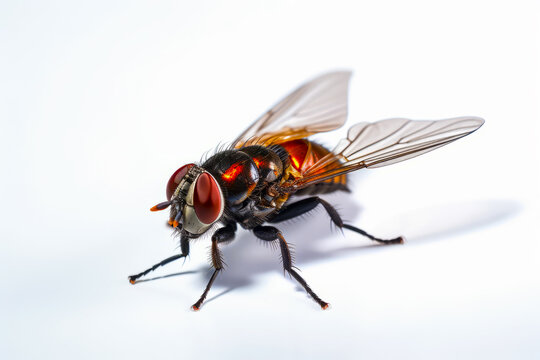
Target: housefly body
x=256 y=180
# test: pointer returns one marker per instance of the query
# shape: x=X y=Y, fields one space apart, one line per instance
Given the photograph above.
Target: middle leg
x=270 y=233
x=221 y=235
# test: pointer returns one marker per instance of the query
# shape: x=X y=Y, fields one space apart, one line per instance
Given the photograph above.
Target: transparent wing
x=385 y=142
x=317 y=106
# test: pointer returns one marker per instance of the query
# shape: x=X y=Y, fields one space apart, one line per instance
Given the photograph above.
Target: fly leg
x=221 y=235
x=303 y=206
x=184 y=248
x=270 y=233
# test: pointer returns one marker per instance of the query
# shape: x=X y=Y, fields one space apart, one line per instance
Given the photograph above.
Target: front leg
x=270 y=233
x=184 y=248
x=221 y=235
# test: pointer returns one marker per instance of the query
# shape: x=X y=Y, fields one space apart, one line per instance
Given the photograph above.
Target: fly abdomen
x=303 y=154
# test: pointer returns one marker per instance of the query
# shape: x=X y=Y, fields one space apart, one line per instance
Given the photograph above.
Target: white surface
x=100 y=102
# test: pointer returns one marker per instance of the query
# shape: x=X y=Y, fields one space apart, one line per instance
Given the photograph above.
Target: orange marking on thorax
x=232 y=172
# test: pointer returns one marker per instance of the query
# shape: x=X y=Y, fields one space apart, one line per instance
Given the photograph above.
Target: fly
x=256 y=180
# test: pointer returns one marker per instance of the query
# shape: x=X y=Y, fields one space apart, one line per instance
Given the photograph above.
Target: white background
x=101 y=101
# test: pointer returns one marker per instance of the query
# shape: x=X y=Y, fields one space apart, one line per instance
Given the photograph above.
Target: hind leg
x=303 y=206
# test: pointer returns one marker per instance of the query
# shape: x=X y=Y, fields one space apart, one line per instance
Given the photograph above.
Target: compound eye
x=207 y=199
x=175 y=179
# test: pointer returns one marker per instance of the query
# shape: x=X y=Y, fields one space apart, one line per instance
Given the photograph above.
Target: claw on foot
x=399 y=240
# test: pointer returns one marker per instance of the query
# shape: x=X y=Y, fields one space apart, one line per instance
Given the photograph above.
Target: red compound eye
x=207 y=199
x=175 y=179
